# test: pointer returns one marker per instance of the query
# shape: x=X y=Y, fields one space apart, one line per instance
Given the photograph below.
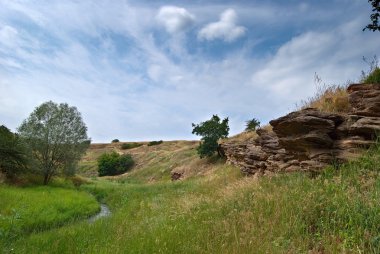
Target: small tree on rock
x=211 y=131
x=251 y=125
x=57 y=137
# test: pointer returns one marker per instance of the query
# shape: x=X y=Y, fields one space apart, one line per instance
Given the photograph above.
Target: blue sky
x=146 y=70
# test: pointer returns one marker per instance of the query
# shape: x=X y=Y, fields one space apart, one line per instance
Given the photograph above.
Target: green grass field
x=223 y=212
x=31 y=210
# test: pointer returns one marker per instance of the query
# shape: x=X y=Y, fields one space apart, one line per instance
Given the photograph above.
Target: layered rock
x=310 y=139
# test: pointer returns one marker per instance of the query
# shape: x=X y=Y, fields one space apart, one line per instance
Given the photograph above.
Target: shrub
x=373 y=77
x=130 y=145
x=78 y=181
x=115 y=141
x=251 y=125
x=154 y=143
x=114 y=164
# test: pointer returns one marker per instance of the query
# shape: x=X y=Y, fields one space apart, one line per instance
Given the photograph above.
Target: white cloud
x=225 y=28
x=174 y=19
x=8 y=35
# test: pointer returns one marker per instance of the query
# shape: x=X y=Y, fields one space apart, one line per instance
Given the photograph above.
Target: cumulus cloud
x=174 y=19
x=225 y=28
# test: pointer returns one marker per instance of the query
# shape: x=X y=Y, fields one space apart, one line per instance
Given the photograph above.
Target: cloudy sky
x=146 y=70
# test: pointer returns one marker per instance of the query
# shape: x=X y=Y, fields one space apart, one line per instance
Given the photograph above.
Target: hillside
x=152 y=163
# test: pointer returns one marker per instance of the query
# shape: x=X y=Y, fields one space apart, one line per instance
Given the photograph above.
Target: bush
x=373 y=77
x=110 y=164
x=130 y=145
x=78 y=181
x=115 y=141
x=154 y=143
x=251 y=125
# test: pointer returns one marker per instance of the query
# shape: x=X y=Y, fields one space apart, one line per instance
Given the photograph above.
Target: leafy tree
x=115 y=141
x=211 y=131
x=57 y=137
x=13 y=155
x=114 y=164
x=251 y=125
x=374 y=16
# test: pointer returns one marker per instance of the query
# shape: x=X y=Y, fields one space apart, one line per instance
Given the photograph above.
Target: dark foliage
x=251 y=125
x=154 y=143
x=130 y=145
x=374 y=26
x=110 y=164
x=13 y=155
x=211 y=131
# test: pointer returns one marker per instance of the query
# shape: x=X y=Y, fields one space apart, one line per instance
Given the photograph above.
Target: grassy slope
x=223 y=212
x=152 y=163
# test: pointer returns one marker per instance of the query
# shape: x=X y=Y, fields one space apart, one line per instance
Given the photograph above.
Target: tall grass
x=336 y=212
x=328 y=98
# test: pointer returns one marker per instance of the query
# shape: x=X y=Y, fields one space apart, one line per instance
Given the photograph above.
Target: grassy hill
x=152 y=163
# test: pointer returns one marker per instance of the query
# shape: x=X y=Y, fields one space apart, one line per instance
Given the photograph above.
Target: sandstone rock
x=309 y=140
x=365 y=99
x=368 y=127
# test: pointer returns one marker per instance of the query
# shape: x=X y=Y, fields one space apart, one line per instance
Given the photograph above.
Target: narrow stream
x=104 y=212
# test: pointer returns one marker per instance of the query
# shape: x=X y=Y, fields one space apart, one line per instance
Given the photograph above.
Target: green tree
x=110 y=164
x=211 y=131
x=57 y=137
x=374 y=26
x=251 y=125
x=13 y=155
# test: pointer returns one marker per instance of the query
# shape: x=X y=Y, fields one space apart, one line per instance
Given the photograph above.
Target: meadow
x=219 y=211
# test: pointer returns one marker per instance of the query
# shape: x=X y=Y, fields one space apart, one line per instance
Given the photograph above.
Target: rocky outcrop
x=309 y=139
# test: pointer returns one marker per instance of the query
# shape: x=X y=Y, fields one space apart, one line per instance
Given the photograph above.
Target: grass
x=224 y=212
x=373 y=77
x=35 y=209
x=332 y=99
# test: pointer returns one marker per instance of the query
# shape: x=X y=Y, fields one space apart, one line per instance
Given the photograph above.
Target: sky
x=142 y=70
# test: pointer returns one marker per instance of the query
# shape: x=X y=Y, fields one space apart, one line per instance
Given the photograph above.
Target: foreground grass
x=223 y=212
x=34 y=209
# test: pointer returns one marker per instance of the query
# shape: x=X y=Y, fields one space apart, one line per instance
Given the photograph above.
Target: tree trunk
x=220 y=151
x=46 y=178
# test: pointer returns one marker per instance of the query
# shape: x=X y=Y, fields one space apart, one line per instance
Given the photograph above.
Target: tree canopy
x=57 y=136
x=13 y=156
x=374 y=26
x=211 y=131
